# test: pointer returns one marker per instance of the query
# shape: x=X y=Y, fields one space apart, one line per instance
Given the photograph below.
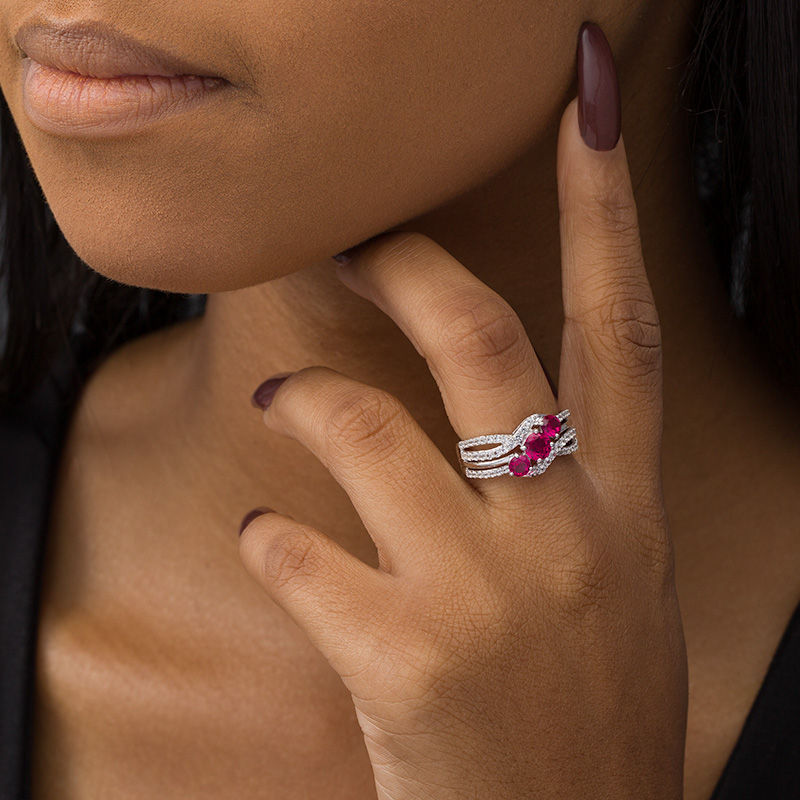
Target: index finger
x=611 y=357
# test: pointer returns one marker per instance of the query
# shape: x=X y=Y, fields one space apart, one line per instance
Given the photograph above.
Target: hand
x=521 y=637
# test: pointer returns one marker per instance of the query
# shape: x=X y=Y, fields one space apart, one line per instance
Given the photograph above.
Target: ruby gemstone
x=519 y=465
x=552 y=425
x=537 y=446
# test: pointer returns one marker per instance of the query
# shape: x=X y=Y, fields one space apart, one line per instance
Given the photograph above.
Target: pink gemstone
x=537 y=446
x=552 y=425
x=519 y=465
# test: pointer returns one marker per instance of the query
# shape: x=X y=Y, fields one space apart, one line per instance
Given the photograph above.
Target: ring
x=526 y=452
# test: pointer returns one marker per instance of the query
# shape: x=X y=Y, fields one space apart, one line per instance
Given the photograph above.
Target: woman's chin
x=173 y=265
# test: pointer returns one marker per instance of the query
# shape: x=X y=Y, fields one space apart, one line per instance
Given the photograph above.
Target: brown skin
x=166 y=454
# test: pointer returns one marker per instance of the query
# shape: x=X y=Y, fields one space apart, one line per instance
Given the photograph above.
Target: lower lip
x=68 y=104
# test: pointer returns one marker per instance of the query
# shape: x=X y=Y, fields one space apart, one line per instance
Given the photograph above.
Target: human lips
x=86 y=78
x=98 y=50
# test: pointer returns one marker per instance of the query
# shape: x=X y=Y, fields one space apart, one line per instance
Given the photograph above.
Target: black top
x=31 y=437
x=764 y=765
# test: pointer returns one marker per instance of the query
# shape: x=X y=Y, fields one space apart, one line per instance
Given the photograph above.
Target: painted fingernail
x=599 y=106
x=344 y=256
x=263 y=395
x=251 y=515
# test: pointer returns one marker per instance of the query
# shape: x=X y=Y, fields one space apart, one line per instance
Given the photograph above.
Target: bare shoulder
x=157 y=664
x=133 y=382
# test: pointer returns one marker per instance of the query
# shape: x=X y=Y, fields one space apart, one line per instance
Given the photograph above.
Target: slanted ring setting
x=526 y=452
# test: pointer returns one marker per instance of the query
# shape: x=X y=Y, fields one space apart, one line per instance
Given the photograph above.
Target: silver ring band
x=526 y=452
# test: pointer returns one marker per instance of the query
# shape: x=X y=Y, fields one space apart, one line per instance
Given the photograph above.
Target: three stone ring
x=526 y=452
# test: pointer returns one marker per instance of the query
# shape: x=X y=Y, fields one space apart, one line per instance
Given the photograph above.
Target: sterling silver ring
x=526 y=452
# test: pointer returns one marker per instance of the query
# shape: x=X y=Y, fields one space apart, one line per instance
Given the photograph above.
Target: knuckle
x=634 y=322
x=484 y=333
x=365 y=420
x=605 y=222
x=289 y=557
x=626 y=330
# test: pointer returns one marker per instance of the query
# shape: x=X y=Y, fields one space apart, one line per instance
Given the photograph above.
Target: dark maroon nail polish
x=599 y=106
x=263 y=395
x=344 y=256
x=251 y=515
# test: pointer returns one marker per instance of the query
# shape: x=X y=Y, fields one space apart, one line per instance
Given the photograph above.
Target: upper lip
x=97 y=49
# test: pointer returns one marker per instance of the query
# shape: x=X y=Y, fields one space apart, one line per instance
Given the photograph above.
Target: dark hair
x=51 y=300
x=740 y=85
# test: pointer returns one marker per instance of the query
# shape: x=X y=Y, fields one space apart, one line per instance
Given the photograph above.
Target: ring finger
x=476 y=346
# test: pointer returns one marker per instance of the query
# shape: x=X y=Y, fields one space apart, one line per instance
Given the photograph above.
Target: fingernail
x=344 y=256
x=263 y=395
x=599 y=107
x=251 y=515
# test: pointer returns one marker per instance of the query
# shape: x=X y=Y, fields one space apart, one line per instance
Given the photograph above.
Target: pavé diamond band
x=526 y=452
